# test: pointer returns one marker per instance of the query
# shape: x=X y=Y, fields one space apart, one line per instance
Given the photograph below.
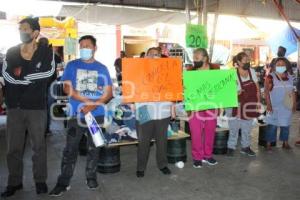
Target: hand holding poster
x=210 y=89
x=151 y=80
x=196 y=36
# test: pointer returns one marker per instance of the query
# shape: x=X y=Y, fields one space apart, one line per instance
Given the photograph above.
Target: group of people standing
x=280 y=100
x=280 y=104
x=27 y=70
x=28 y=67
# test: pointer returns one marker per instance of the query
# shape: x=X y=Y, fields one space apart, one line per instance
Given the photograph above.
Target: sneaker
x=92 y=184
x=197 y=164
x=210 y=161
x=165 y=171
x=11 y=190
x=297 y=143
x=230 y=152
x=140 y=174
x=41 y=188
x=58 y=190
x=248 y=151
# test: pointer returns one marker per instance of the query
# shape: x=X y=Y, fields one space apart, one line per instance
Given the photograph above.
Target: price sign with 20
x=196 y=36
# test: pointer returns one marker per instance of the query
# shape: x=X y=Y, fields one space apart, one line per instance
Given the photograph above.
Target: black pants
x=18 y=122
x=156 y=129
x=70 y=152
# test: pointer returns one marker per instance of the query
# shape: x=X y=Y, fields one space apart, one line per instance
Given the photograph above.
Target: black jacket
x=26 y=82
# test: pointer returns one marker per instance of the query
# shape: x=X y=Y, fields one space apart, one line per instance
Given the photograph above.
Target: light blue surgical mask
x=280 y=69
x=25 y=37
x=86 y=54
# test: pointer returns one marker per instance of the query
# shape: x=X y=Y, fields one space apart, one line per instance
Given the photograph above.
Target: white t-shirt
x=244 y=79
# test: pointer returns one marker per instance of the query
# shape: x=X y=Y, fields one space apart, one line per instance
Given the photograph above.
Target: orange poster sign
x=151 y=80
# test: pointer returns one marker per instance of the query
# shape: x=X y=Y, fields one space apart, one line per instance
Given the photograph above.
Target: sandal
x=286 y=146
x=269 y=149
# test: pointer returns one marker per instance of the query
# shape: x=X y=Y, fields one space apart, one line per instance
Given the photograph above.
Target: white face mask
x=60 y=73
x=280 y=69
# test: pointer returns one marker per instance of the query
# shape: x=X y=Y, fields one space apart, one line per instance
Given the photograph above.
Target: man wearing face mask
x=88 y=84
x=26 y=71
x=152 y=122
x=249 y=104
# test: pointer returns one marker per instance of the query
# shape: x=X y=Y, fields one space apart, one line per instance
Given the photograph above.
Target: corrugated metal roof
x=254 y=8
x=167 y=4
x=175 y=4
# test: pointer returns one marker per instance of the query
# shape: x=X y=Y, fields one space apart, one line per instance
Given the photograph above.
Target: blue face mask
x=86 y=54
x=280 y=69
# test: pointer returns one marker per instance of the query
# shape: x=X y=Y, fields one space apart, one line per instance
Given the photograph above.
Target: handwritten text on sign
x=209 y=89
x=151 y=80
x=196 y=36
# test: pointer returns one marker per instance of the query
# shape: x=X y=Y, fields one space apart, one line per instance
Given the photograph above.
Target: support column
x=118 y=40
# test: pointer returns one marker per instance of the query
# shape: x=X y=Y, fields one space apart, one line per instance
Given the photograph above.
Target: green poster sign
x=196 y=36
x=209 y=89
x=70 y=46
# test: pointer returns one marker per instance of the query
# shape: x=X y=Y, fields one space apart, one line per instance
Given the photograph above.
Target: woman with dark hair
x=235 y=62
x=249 y=100
x=202 y=123
x=281 y=102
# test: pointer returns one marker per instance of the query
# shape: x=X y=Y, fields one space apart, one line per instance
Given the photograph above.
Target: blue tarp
x=285 y=38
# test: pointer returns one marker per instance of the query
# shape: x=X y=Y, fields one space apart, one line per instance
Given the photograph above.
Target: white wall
x=106 y=42
x=9 y=35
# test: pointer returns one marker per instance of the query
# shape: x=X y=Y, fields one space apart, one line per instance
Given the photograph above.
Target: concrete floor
x=268 y=176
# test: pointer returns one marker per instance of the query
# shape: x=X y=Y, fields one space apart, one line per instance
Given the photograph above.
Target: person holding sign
x=249 y=103
x=88 y=84
x=281 y=102
x=202 y=123
x=153 y=119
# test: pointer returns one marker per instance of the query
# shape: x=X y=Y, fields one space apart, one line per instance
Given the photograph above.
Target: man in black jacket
x=26 y=71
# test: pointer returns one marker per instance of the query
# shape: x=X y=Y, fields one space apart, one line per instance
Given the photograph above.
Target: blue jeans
x=271 y=133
